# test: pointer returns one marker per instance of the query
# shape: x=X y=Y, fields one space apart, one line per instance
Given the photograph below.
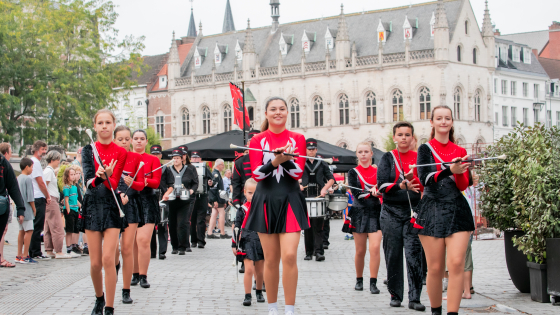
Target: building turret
x=343 y=45
x=228 y=20
x=275 y=13
x=441 y=33
x=173 y=63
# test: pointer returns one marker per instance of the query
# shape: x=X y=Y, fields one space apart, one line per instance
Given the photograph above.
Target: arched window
x=318 y=111
x=459 y=53
x=206 y=120
x=294 y=109
x=251 y=113
x=425 y=103
x=344 y=109
x=371 y=108
x=185 y=122
x=477 y=106
x=398 y=114
x=227 y=117
x=343 y=145
x=457 y=104
x=474 y=56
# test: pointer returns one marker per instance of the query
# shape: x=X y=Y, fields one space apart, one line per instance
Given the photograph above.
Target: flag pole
x=243 y=93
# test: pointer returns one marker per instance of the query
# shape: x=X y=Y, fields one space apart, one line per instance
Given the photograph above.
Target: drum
x=185 y=194
x=316 y=207
x=172 y=196
x=337 y=202
x=164 y=212
x=200 y=169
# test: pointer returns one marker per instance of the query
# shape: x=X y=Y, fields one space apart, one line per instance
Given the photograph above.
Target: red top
x=133 y=160
x=151 y=163
x=367 y=178
x=268 y=140
x=247 y=207
x=448 y=152
x=107 y=153
x=407 y=159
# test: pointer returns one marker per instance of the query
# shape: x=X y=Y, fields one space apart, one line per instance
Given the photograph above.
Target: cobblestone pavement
x=204 y=282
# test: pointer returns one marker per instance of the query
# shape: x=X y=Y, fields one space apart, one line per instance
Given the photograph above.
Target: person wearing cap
x=185 y=151
x=201 y=205
x=316 y=180
x=160 y=234
x=183 y=177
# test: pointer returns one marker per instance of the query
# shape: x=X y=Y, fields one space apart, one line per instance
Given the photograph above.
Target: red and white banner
x=238 y=113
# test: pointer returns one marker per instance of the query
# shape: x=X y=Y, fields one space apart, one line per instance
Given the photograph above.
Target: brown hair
x=433 y=134
x=25 y=162
x=66 y=176
x=38 y=145
x=401 y=124
x=121 y=128
x=264 y=126
x=5 y=148
x=104 y=111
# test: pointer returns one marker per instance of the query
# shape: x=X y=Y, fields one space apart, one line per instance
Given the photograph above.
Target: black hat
x=185 y=149
x=177 y=153
x=195 y=154
x=156 y=149
x=311 y=143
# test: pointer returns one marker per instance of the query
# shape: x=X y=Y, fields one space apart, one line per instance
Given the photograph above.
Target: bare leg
x=288 y=247
x=2 y=243
x=75 y=238
x=456 y=245
x=127 y=243
x=212 y=223
x=110 y=242
x=360 y=241
x=259 y=277
x=26 y=241
x=143 y=239
x=374 y=253
x=248 y=277
x=95 y=252
x=136 y=268
x=435 y=257
x=68 y=239
x=222 y=220
x=271 y=249
x=468 y=285
x=20 y=251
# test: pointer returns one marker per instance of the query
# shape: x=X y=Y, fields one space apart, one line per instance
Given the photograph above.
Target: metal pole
x=243 y=93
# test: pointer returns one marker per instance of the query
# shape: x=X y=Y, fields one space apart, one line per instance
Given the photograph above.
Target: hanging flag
x=238 y=113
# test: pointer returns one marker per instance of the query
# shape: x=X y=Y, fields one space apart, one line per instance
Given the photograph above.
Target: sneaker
x=20 y=260
x=352 y=237
x=73 y=255
x=6 y=242
x=62 y=256
x=41 y=257
x=77 y=250
x=85 y=251
x=51 y=256
x=346 y=238
x=272 y=311
x=212 y=236
x=224 y=236
x=30 y=260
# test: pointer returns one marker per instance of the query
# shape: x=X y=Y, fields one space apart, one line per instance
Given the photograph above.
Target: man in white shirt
x=227 y=181
x=42 y=198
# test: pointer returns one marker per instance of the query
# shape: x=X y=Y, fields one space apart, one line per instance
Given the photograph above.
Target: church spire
x=192 y=25
x=487 y=23
x=228 y=20
x=249 y=44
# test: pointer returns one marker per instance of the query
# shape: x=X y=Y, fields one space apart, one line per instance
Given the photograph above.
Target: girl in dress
x=278 y=210
x=100 y=218
x=443 y=211
x=132 y=206
x=364 y=217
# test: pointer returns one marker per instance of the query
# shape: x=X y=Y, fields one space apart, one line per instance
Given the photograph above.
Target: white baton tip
x=502 y=157
x=411 y=166
x=330 y=161
x=232 y=146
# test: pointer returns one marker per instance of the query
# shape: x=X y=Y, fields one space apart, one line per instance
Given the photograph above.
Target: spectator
x=54 y=227
x=227 y=181
x=25 y=220
x=42 y=198
x=6 y=150
x=71 y=206
x=218 y=204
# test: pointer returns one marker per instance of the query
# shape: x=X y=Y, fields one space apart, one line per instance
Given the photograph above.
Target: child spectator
x=71 y=206
x=346 y=212
x=26 y=221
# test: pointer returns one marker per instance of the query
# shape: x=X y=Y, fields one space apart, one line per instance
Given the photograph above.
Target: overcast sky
x=158 y=19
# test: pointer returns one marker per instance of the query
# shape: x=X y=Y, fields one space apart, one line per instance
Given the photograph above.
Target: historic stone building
x=346 y=78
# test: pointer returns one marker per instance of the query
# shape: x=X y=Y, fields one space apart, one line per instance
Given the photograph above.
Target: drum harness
x=312 y=173
x=178 y=185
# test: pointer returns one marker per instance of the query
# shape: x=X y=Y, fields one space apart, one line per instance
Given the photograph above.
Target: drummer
x=316 y=180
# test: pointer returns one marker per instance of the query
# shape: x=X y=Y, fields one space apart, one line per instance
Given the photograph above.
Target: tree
x=388 y=143
x=153 y=138
x=62 y=61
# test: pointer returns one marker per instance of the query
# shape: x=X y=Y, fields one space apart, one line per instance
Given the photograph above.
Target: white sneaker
x=62 y=256
x=272 y=311
x=74 y=255
x=289 y=313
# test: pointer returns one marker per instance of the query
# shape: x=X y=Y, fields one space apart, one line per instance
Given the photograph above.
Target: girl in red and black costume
x=100 y=218
x=132 y=206
x=364 y=217
x=150 y=208
x=400 y=185
x=443 y=211
x=278 y=211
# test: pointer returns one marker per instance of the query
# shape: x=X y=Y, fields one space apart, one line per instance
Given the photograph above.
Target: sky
x=156 y=20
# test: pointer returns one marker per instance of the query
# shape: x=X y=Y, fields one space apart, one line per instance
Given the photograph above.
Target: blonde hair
x=251 y=181
x=76 y=168
x=367 y=144
x=104 y=111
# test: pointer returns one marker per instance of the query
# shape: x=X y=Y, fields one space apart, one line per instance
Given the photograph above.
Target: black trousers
x=326 y=231
x=198 y=219
x=313 y=237
x=396 y=236
x=3 y=223
x=162 y=236
x=38 y=226
x=180 y=223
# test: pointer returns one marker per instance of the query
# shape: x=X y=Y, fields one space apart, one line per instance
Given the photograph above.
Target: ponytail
x=451 y=132
x=264 y=125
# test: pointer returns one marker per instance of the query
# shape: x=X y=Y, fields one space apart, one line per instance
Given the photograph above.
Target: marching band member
x=443 y=212
x=100 y=218
x=160 y=234
x=316 y=180
x=364 y=222
x=150 y=209
x=132 y=205
x=201 y=205
x=397 y=181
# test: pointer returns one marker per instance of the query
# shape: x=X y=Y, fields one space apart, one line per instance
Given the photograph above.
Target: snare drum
x=338 y=202
x=316 y=207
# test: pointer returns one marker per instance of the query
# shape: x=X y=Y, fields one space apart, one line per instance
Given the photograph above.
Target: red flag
x=238 y=113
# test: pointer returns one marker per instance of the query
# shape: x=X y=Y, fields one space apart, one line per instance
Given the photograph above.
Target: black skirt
x=133 y=210
x=250 y=244
x=364 y=220
x=150 y=209
x=100 y=213
x=441 y=218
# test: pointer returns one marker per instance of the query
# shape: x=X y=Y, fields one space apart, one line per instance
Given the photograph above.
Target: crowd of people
x=123 y=202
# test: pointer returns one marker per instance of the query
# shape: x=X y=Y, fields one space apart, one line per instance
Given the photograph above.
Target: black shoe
x=308 y=257
x=319 y=257
x=144 y=282
x=436 y=310
x=76 y=249
x=162 y=256
x=260 y=297
x=109 y=311
x=247 y=301
x=224 y=236
x=85 y=251
x=174 y=252
x=325 y=246
x=385 y=282
x=200 y=245
x=188 y=250
x=126 y=297
x=212 y=236
x=98 y=307
x=417 y=306
x=242 y=269
x=181 y=252
x=135 y=279
x=193 y=245
x=153 y=256
x=395 y=302
x=359 y=285
x=373 y=288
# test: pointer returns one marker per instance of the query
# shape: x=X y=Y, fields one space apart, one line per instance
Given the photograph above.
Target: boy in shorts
x=26 y=221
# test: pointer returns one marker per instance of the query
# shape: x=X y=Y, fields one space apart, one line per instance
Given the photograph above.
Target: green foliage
x=388 y=143
x=153 y=138
x=63 y=61
x=524 y=191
